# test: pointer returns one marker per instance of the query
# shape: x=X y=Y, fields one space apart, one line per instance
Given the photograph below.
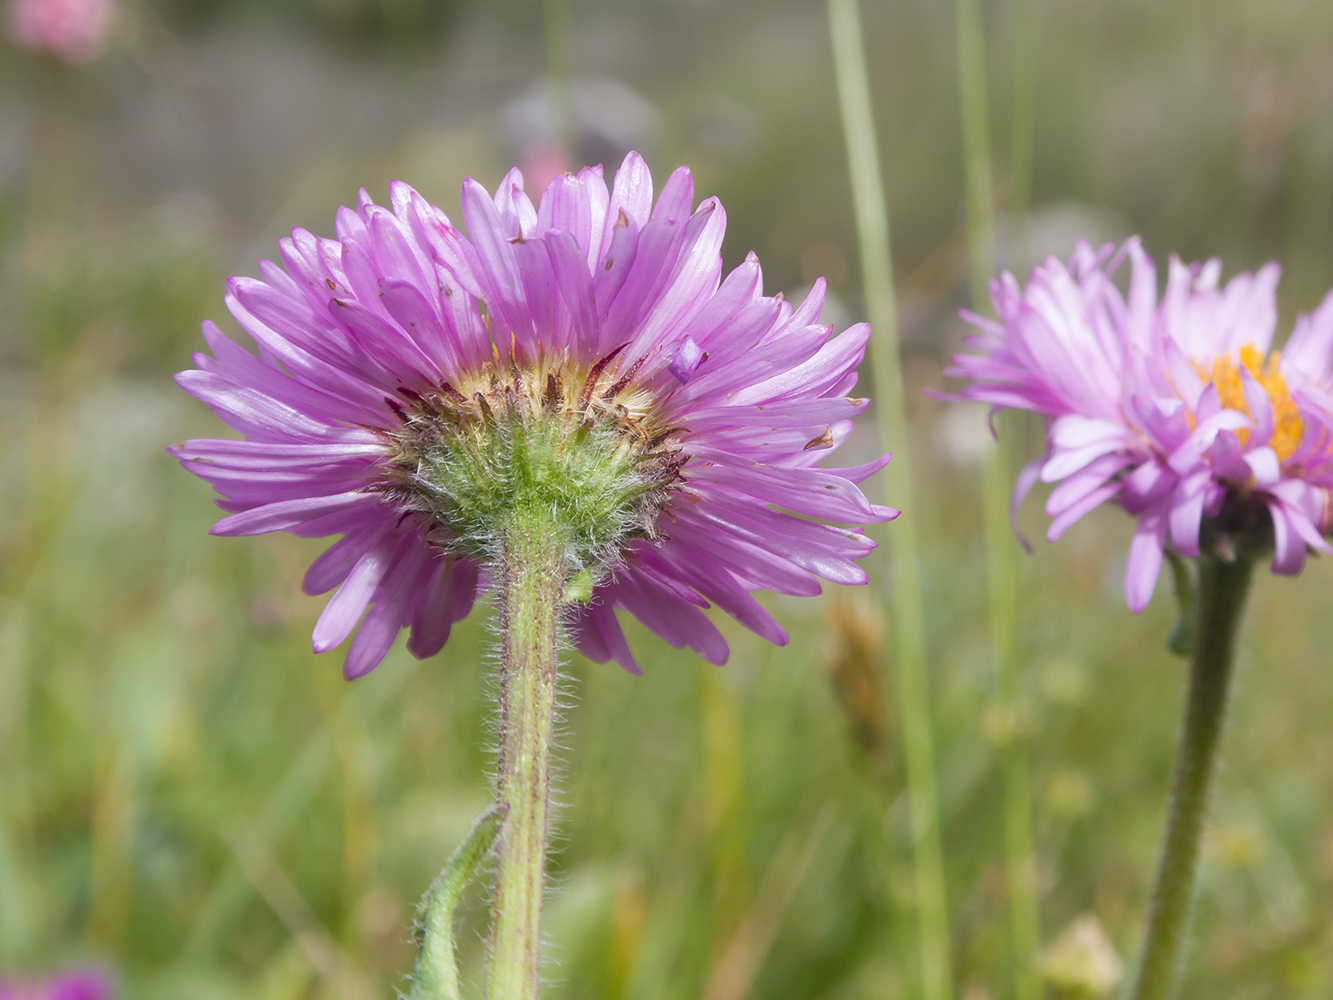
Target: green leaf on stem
x=435 y=975
x=1181 y=639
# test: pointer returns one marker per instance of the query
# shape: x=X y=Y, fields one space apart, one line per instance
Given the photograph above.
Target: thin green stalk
x=973 y=102
x=564 y=122
x=1002 y=571
x=1020 y=852
x=1219 y=604
x=1021 y=137
x=904 y=570
x=531 y=578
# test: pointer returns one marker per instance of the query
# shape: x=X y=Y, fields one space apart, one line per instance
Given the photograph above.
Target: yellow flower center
x=1288 y=428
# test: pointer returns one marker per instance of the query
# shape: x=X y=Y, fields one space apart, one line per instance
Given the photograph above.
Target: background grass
x=190 y=796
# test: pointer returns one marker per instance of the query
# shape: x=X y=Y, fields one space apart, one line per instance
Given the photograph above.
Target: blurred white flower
x=1082 y=962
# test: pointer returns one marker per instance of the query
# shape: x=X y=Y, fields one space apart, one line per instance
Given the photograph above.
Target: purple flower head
x=1171 y=407
x=71 y=30
x=598 y=309
x=76 y=984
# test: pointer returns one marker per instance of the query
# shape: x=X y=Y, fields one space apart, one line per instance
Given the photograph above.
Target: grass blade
x=904 y=570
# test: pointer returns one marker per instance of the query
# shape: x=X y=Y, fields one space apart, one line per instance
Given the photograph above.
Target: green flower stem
x=1002 y=570
x=531 y=578
x=904 y=570
x=1221 y=599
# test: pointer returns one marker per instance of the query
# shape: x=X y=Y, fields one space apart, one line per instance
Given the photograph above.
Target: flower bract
x=413 y=385
x=1174 y=406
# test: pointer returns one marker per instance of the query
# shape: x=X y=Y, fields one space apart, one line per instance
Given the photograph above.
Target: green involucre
x=551 y=445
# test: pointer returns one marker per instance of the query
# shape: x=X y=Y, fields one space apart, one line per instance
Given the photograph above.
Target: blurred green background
x=190 y=796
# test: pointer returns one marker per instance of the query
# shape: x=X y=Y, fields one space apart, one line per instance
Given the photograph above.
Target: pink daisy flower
x=1174 y=408
x=599 y=307
x=71 y=30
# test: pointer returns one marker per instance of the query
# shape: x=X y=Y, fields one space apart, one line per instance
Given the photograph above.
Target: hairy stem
x=1220 y=601
x=904 y=571
x=530 y=576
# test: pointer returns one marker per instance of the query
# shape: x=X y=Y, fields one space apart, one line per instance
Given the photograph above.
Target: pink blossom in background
x=1172 y=407
x=542 y=162
x=363 y=338
x=75 y=984
x=71 y=30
